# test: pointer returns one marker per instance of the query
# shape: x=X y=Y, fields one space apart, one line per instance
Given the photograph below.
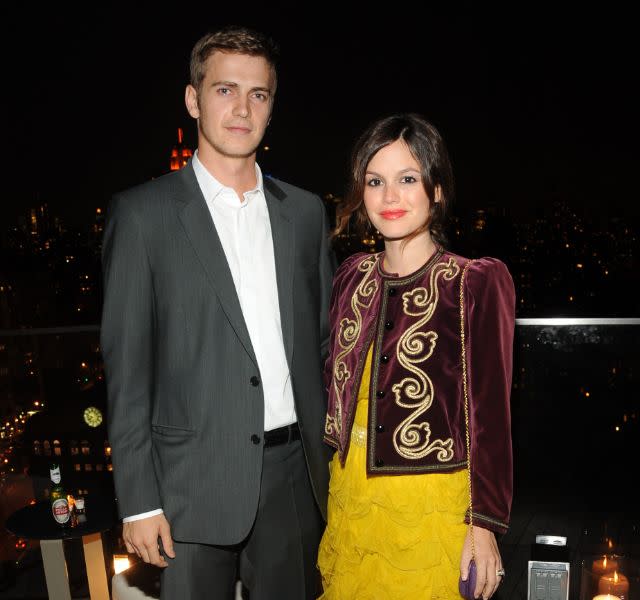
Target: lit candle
x=606 y=597
x=604 y=565
x=120 y=563
x=614 y=583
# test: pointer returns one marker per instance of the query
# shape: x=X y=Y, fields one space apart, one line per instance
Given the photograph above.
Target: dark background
x=537 y=103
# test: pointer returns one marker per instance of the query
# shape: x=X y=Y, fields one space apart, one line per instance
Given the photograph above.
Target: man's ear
x=191 y=101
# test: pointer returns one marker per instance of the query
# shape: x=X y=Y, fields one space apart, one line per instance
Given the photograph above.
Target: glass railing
x=576 y=438
x=575 y=406
x=575 y=418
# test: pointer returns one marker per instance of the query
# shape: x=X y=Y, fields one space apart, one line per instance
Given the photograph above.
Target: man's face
x=234 y=104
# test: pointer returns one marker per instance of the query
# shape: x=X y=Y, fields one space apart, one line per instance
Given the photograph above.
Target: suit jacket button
x=380 y=394
x=388 y=325
x=380 y=428
x=384 y=359
x=255 y=439
x=392 y=291
x=255 y=382
x=379 y=462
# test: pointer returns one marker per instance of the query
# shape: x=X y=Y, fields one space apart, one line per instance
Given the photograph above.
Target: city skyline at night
x=535 y=107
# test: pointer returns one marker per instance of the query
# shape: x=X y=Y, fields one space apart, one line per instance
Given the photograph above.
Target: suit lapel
x=283 y=235
x=199 y=227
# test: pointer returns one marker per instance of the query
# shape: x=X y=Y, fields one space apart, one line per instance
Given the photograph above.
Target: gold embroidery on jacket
x=412 y=440
x=348 y=335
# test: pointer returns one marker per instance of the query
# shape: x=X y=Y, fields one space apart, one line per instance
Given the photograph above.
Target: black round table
x=36 y=522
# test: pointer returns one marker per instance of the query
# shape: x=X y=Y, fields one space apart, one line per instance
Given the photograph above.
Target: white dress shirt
x=244 y=230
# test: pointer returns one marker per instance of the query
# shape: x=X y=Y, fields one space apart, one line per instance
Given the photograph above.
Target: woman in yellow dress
x=418 y=377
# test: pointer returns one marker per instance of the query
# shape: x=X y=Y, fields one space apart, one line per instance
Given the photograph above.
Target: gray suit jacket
x=182 y=408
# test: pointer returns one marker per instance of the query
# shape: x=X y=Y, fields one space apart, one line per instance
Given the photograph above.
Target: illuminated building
x=180 y=154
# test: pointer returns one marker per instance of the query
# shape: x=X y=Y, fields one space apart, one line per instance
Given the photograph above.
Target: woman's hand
x=488 y=561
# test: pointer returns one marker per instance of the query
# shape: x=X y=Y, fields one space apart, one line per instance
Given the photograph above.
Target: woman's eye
x=374 y=182
x=408 y=179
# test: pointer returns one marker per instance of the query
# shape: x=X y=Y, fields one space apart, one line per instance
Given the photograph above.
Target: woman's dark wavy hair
x=426 y=146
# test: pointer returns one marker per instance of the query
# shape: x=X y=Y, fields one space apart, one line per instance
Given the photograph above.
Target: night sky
x=535 y=105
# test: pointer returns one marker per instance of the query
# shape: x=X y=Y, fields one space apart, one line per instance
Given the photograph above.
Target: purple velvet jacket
x=416 y=421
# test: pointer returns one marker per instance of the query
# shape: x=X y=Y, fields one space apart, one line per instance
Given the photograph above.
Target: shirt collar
x=211 y=187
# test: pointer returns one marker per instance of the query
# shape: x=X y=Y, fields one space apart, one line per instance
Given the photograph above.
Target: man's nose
x=241 y=107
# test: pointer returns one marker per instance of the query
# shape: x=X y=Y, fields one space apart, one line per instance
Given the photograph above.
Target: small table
x=36 y=522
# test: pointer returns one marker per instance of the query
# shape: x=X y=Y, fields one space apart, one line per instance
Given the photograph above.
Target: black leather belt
x=281 y=435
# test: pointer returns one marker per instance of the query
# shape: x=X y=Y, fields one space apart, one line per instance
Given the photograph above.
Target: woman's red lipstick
x=393 y=214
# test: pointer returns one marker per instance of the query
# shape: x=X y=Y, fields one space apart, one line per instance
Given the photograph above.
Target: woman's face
x=394 y=195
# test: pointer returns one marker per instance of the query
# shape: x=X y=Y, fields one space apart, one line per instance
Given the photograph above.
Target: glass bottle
x=58 y=498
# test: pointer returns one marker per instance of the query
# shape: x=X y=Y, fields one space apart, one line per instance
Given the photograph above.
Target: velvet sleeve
x=345 y=269
x=490 y=322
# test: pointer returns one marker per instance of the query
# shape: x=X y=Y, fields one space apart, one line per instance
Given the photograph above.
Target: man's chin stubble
x=228 y=154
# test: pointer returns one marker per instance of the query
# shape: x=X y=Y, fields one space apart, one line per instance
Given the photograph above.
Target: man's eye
x=224 y=91
x=260 y=96
x=374 y=182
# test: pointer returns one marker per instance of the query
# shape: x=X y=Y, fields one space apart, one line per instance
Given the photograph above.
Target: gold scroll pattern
x=411 y=439
x=348 y=334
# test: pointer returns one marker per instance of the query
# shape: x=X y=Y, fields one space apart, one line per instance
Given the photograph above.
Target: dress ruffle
x=391 y=536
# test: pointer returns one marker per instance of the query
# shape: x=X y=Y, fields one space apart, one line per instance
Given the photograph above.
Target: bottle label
x=60 y=509
x=55 y=475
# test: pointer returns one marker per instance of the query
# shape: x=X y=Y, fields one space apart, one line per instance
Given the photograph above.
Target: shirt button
x=379 y=462
x=255 y=382
x=380 y=393
x=388 y=325
x=384 y=359
x=392 y=291
x=380 y=428
x=255 y=439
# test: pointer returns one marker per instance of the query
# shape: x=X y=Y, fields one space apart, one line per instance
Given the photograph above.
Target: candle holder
x=616 y=575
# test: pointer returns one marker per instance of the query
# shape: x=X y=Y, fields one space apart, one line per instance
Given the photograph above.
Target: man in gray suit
x=217 y=284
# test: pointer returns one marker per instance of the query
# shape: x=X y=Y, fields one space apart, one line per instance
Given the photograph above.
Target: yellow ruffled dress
x=390 y=537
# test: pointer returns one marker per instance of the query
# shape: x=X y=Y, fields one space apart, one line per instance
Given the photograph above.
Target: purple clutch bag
x=466 y=587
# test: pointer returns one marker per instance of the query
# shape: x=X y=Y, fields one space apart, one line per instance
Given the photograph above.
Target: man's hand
x=141 y=538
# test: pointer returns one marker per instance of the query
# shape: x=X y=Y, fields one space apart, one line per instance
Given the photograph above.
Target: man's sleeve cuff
x=144 y=515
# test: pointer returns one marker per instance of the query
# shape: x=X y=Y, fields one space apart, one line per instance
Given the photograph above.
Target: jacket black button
x=384 y=359
x=255 y=382
x=380 y=393
x=392 y=291
x=388 y=325
x=379 y=462
x=380 y=428
x=255 y=439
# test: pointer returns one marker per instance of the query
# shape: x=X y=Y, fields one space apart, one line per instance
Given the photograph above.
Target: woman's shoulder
x=488 y=266
x=483 y=267
x=352 y=269
x=489 y=273
x=353 y=262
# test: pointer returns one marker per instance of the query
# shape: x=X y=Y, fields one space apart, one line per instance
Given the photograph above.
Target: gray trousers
x=277 y=561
